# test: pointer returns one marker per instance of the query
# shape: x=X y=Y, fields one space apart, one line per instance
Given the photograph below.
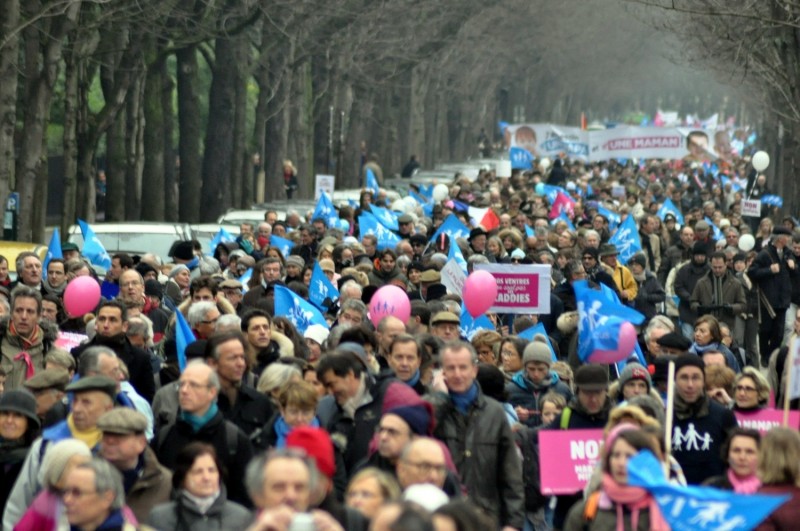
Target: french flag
x=484 y=217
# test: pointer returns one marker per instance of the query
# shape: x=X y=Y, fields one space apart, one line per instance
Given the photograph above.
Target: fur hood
x=567 y=322
x=49 y=329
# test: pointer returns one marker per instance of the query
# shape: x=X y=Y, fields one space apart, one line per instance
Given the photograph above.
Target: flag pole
x=670 y=416
x=786 y=395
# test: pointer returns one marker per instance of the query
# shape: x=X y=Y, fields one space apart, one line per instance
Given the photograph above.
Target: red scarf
x=27 y=342
x=635 y=499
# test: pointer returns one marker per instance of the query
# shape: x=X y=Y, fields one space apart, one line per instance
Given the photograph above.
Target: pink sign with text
x=765 y=419
x=567 y=459
x=521 y=288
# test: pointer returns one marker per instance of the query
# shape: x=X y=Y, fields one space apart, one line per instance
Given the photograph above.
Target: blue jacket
x=524 y=393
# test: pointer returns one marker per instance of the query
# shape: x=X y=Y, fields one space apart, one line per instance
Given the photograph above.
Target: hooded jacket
x=11 y=346
x=524 y=393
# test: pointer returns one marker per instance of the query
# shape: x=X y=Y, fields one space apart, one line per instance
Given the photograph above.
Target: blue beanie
x=418 y=417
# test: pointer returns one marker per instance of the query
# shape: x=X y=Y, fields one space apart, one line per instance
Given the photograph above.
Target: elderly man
x=445 y=326
x=93 y=497
x=422 y=461
x=29 y=270
x=199 y=419
x=202 y=318
x=124 y=445
x=93 y=396
x=491 y=471
x=352 y=313
x=25 y=338
x=48 y=387
x=133 y=289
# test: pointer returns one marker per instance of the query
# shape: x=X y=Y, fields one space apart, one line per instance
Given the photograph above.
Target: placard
x=751 y=208
x=765 y=419
x=323 y=183
x=69 y=340
x=567 y=459
x=794 y=367
x=453 y=277
x=521 y=288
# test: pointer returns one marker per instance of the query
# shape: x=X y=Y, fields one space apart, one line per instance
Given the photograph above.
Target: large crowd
x=113 y=420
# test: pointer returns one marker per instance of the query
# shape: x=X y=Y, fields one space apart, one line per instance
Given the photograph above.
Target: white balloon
x=746 y=242
x=760 y=160
x=544 y=163
x=440 y=192
x=399 y=206
x=410 y=201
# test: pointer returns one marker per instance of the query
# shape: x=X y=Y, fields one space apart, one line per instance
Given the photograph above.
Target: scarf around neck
x=747 y=485
x=197 y=422
x=700 y=350
x=634 y=499
x=463 y=401
x=203 y=503
x=90 y=437
x=414 y=379
x=27 y=342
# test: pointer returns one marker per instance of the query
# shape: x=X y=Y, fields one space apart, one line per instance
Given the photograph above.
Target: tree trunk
x=171 y=191
x=116 y=166
x=70 y=143
x=153 y=175
x=189 y=136
x=238 y=176
x=278 y=121
x=9 y=53
x=134 y=149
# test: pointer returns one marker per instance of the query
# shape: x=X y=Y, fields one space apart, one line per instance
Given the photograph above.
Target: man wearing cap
x=701 y=425
x=719 y=292
x=589 y=409
x=358 y=397
x=48 y=387
x=685 y=281
x=445 y=326
x=624 y=283
x=673 y=344
x=634 y=380
x=703 y=234
x=124 y=445
x=774 y=269
x=405 y=224
x=429 y=277
x=70 y=251
x=601 y=272
x=529 y=385
x=199 y=419
x=25 y=338
x=232 y=291
x=676 y=254
x=93 y=396
x=475 y=430
x=418 y=244
x=477 y=242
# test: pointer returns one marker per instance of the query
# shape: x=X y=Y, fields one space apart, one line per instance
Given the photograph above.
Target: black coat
x=685 y=281
x=137 y=361
x=775 y=286
x=251 y=411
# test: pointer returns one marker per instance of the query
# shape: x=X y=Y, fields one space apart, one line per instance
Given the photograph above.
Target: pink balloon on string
x=81 y=296
x=480 y=292
x=625 y=346
x=389 y=300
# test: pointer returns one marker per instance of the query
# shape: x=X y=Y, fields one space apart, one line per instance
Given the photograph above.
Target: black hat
x=367 y=292
x=436 y=291
x=478 y=231
x=689 y=360
x=781 y=231
x=699 y=248
x=94 y=383
x=669 y=217
x=152 y=288
x=638 y=258
x=674 y=340
x=143 y=268
x=183 y=250
x=20 y=401
x=591 y=377
x=418 y=239
x=593 y=251
x=659 y=369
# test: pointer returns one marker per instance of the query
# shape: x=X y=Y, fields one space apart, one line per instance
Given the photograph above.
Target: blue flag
x=369 y=224
x=469 y=326
x=538 y=328
x=245 y=278
x=372 y=182
x=612 y=296
x=551 y=192
x=772 y=200
x=92 y=247
x=321 y=288
x=183 y=337
x=418 y=197
x=222 y=236
x=529 y=231
x=561 y=217
x=426 y=190
x=385 y=217
x=325 y=210
x=600 y=318
x=300 y=312
x=668 y=207
x=694 y=508
x=455 y=253
x=627 y=239
x=53 y=251
x=453 y=227
x=612 y=217
x=716 y=234
x=284 y=246
x=521 y=159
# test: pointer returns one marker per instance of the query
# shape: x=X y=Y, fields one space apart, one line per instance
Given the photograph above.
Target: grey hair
x=354 y=304
x=659 y=321
x=197 y=312
x=439 y=259
x=276 y=376
x=213 y=378
x=26 y=292
x=254 y=476
x=106 y=478
x=208 y=266
x=461 y=345
x=403 y=260
x=351 y=284
x=452 y=306
x=139 y=327
x=477 y=259
x=89 y=360
x=591 y=232
x=228 y=321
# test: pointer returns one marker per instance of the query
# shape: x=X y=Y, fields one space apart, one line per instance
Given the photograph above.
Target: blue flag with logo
x=521 y=159
x=715 y=232
x=300 y=312
x=53 y=251
x=386 y=217
x=600 y=318
x=551 y=192
x=222 y=236
x=612 y=296
x=453 y=227
x=561 y=217
x=325 y=210
x=321 y=288
x=183 y=337
x=369 y=224
x=468 y=326
x=668 y=207
x=455 y=253
x=772 y=200
x=93 y=248
x=694 y=508
x=612 y=217
x=627 y=239
x=284 y=246
x=372 y=182
x=538 y=328
x=245 y=278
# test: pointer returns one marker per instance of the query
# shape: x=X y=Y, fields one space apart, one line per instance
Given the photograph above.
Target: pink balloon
x=480 y=292
x=389 y=300
x=81 y=296
x=627 y=341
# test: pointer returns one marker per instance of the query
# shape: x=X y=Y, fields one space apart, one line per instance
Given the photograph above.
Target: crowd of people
x=404 y=424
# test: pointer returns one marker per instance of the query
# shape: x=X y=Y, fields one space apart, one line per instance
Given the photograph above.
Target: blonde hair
x=299 y=394
x=628 y=414
x=390 y=488
x=761 y=383
x=276 y=377
x=779 y=457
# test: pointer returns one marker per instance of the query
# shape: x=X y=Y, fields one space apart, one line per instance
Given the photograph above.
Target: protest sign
x=453 y=277
x=567 y=459
x=751 y=208
x=323 y=183
x=765 y=419
x=69 y=340
x=520 y=288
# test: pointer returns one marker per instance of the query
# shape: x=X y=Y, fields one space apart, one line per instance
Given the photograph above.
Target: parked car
x=137 y=237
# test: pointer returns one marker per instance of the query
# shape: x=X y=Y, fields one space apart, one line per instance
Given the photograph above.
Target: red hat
x=317 y=444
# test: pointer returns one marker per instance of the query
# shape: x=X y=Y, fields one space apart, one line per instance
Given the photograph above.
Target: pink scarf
x=747 y=485
x=635 y=499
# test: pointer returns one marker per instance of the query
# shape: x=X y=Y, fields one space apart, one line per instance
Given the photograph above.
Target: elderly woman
x=779 y=472
x=369 y=489
x=751 y=391
x=200 y=502
x=19 y=426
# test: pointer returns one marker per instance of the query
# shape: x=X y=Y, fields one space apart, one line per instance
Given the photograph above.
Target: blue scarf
x=463 y=401
x=193 y=264
x=198 y=422
x=697 y=349
x=282 y=429
x=414 y=379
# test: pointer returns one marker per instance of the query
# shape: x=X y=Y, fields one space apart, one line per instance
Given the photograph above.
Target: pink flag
x=563 y=203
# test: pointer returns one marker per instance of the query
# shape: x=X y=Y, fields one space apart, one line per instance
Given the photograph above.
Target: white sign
x=453 y=277
x=794 y=367
x=323 y=183
x=751 y=208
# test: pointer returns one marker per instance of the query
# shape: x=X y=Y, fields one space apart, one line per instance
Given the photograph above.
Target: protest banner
x=323 y=183
x=520 y=288
x=765 y=419
x=567 y=459
x=69 y=340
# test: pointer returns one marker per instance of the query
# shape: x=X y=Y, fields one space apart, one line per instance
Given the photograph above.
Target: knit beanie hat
x=57 y=457
x=689 y=360
x=537 y=352
x=317 y=444
x=634 y=371
x=419 y=417
x=398 y=395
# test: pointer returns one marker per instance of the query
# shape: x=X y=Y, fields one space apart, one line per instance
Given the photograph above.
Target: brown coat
x=153 y=487
x=10 y=346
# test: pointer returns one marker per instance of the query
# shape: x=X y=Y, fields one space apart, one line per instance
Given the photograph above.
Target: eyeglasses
x=427 y=468
x=746 y=389
x=194 y=386
x=209 y=321
x=76 y=492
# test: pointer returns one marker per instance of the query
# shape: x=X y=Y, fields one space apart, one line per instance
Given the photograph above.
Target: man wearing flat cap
x=48 y=387
x=445 y=326
x=124 y=445
x=774 y=269
x=93 y=396
x=232 y=290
